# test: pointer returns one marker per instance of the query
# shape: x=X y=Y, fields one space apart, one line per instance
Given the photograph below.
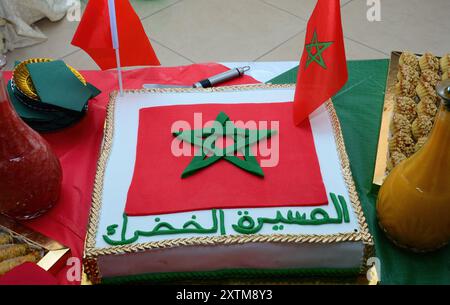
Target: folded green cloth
x=94 y=90
x=24 y=111
x=58 y=86
x=43 y=121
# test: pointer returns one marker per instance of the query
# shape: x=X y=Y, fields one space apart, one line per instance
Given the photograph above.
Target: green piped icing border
x=233 y=274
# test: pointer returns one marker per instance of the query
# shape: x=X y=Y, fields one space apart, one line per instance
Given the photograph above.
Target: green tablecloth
x=359 y=106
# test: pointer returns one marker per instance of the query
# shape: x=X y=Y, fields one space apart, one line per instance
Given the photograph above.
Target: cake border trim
x=91 y=253
x=244 y=274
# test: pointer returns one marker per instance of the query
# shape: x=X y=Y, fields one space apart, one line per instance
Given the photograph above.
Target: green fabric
x=341 y=274
x=58 y=86
x=359 y=106
x=206 y=139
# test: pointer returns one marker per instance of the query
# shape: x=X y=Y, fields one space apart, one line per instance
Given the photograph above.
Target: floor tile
x=145 y=8
x=216 y=30
x=59 y=35
x=80 y=60
x=292 y=50
x=300 y=8
x=414 y=25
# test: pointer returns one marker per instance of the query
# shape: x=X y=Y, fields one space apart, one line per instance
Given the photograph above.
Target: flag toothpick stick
x=115 y=40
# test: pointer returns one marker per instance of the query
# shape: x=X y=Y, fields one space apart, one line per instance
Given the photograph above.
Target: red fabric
x=94 y=36
x=315 y=84
x=77 y=148
x=157 y=186
x=28 y=274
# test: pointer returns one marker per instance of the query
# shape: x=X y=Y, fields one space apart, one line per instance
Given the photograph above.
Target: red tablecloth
x=77 y=148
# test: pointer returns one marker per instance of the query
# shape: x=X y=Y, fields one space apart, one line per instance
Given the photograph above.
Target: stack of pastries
x=416 y=103
x=14 y=253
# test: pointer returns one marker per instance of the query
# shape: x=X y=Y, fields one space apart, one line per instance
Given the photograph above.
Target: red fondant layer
x=157 y=186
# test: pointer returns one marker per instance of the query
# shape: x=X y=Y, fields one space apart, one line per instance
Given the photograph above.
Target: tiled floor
x=187 y=31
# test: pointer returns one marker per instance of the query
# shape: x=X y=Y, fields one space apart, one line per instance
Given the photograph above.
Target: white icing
x=264 y=71
x=119 y=169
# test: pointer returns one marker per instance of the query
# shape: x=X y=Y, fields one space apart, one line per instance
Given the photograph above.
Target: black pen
x=222 y=77
x=208 y=82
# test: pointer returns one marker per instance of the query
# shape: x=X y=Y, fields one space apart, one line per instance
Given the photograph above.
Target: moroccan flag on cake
x=94 y=36
x=170 y=176
x=323 y=67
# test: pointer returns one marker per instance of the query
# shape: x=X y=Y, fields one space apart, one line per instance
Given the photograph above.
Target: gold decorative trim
x=226 y=240
x=91 y=253
x=99 y=175
x=348 y=177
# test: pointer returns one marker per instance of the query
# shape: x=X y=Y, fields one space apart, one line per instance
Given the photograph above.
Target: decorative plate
x=22 y=78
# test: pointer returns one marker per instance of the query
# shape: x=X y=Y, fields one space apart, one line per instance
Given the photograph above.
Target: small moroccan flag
x=323 y=68
x=95 y=37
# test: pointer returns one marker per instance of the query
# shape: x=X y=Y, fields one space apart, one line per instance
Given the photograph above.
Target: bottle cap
x=443 y=90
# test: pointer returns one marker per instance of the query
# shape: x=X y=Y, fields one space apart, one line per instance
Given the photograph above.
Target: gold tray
x=388 y=112
x=381 y=163
x=22 y=78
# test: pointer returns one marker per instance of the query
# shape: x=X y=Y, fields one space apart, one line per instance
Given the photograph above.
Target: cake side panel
x=264 y=256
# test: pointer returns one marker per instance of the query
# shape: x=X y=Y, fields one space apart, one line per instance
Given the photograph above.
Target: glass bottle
x=414 y=202
x=30 y=174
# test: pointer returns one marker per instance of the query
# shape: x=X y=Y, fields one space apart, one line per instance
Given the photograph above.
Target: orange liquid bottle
x=414 y=202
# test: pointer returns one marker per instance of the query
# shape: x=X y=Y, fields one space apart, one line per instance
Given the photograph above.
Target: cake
x=424 y=90
x=408 y=73
x=427 y=106
x=445 y=62
x=400 y=123
x=430 y=76
x=422 y=126
x=406 y=106
x=409 y=59
x=188 y=186
x=405 y=88
x=429 y=62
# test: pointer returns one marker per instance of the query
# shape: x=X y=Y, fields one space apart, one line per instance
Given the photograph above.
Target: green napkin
x=43 y=121
x=94 y=90
x=23 y=111
x=57 y=85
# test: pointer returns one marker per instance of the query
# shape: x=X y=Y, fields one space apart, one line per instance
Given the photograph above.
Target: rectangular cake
x=220 y=183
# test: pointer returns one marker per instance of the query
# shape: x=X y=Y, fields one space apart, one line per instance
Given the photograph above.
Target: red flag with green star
x=323 y=67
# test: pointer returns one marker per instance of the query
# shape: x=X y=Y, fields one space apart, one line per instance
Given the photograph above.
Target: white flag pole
x=115 y=40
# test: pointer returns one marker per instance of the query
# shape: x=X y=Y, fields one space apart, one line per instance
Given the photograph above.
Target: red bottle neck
x=16 y=137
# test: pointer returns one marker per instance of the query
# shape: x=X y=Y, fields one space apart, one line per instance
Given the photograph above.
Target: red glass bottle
x=30 y=174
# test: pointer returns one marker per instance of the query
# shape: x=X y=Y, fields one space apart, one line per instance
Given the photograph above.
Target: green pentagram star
x=315 y=50
x=209 y=154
